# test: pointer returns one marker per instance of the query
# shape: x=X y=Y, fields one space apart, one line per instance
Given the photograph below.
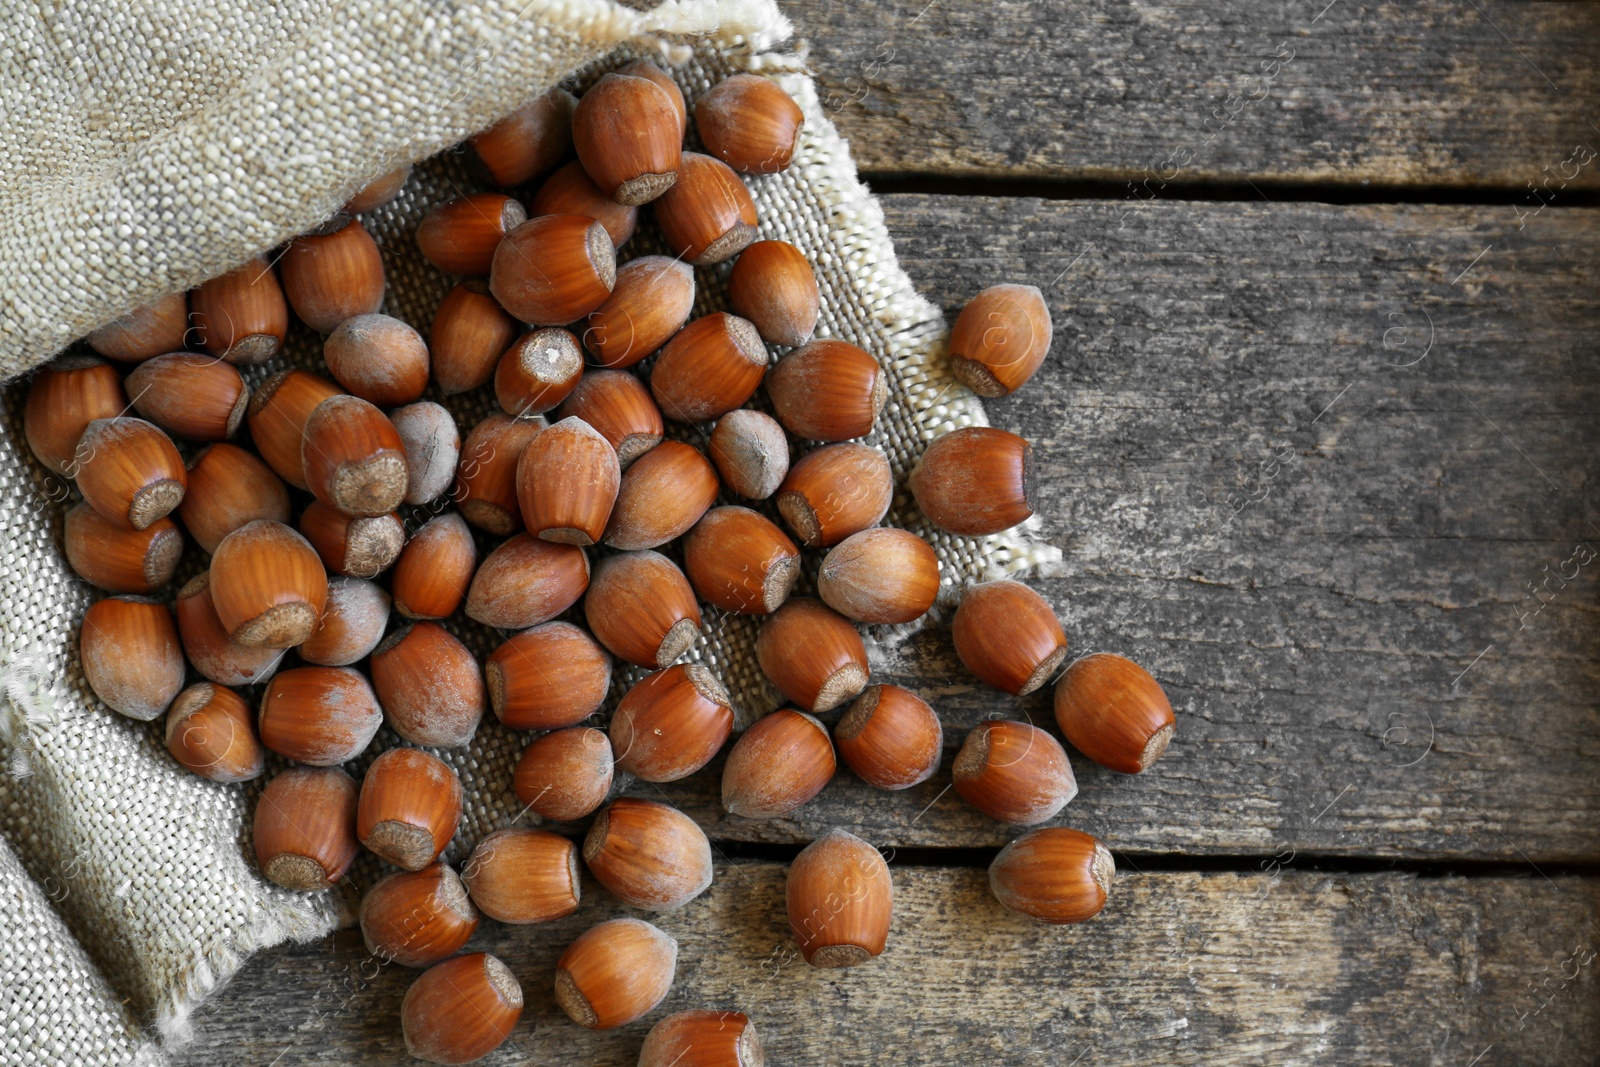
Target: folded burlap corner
x=156 y=151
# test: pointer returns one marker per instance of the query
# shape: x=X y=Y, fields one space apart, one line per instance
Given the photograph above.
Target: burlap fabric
x=152 y=150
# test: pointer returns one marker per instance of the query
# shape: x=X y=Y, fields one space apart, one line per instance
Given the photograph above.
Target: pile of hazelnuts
x=575 y=459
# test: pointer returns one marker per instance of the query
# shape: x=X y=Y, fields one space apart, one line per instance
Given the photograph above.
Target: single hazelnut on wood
x=565 y=774
x=209 y=648
x=131 y=655
x=409 y=806
x=378 y=358
x=527 y=142
x=227 y=488
x=353 y=457
x=305 y=827
x=430 y=685
x=707 y=216
x=703 y=1038
x=277 y=418
x=751 y=453
x=360 y=548
x=64 y=397
x=144 y=332
x=1013 y=772
x=737 y=560
x=547 y=677
x=620 y=407
x=976 y=480
x=629 y=138
x=570 y=191
x=120 y=560
x=772 y=284
x=554 y=269
x=527 y=581
x=378 y=192
x=130 y=471
x=352 y=623
x=834 y=491
x=461 y=235
x=434 y=571
x=671 y=723
x=749 y=123
x=1053 y=875
x=890 y=737
x=320 y=716
x=615 y=972
x=882 y=575
x=1008 y=636
x=840 y=900
x=241 y=316
x=828 y=391
x=332 y=273
x=644 y=68
x=523 y=876
x=567 y=482
x=195 y=397
x=1114 y=712
x=433 y=448
x=710 y=367
x=268 y=585
x=417 y=918
x=651 y=301
x=537 y=371
x=211 y=732
x=812 y=654
x=661 y=496
x=777 y=765
x=640 y=606
x=648 y=854
x=470 y=329
x=486 y=479
x=461 y=1009
x=1000 y=339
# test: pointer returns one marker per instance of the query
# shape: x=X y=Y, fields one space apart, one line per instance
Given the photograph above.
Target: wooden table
x=1317 y=440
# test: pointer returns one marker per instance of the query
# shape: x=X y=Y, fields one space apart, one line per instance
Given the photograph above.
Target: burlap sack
x=150 y=148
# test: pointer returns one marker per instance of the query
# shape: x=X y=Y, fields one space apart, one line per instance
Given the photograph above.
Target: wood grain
x=1181 y=968
x=1325 y=557
x=1438 y=93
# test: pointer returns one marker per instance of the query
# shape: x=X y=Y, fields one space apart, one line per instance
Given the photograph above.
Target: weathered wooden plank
x=1324 y=555
x=1181 y=968
x=1439 y=93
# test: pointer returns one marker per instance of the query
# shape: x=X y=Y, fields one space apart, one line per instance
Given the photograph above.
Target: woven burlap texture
x=145 y=865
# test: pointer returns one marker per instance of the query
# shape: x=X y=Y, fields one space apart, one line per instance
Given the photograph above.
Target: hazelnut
x=144 y=332
x=702 y=1038
x=380 y=359
x=523 y=876
x=565 y=774
x=614 y=973
x=417 y=918
x=750 y=124
x=649 y=855
x=227 y=488
x=1114 y=712
x=320 y=716
x=619 y=406
x=751 y=453
x=486 y=480
x=554 y=269
x=1013 y=772
x=351 y=626
x=361 y=548
x=1008 y=636
x=890 y=737
x=537 y=371
x=305 y=827
x=131 y=655
x=671 y=723
x=707 y=216
x=527 y=142
x=409 y=806
x=277 y=418
x=570 y=191
x=429 y=685
x=120 y=560
x=64 y=397
x=975 y=481
x=547 y=677
x=207 y=644
x=773 y=286
x=834 y=491
x=460 y=1009
x=333 y=273
x=433 y=448
x=527 y=581
x=241 y=316
x=812 y=654
x=737 y=560
x=268 y=586
x=1000 y=339
x=883 y=575
x=827 y=391
x=661 y=496
x=651 y=301
x=470 y=329
x=710 y=367
x=378 y=192
x=644 y=68
x=461 y=235
x=211 y=732
x=353 y=457
x=1053 y=875
x=434 y=571
x=840 y=901
x=567 y=482
x=190 y=396
x=129 y=471
x=777 y=766
x=641 y=608
x=629 y=138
